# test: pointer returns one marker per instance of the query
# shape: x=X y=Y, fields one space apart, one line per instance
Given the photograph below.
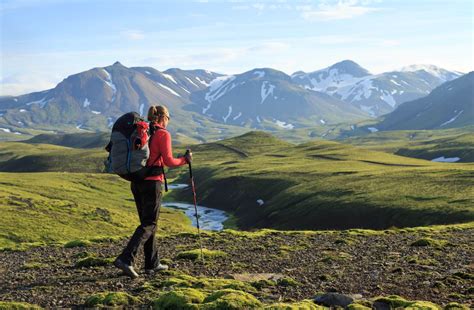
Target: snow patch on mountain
x=260 y=74
x=238 y=115
x=185 y=90
x=388 y=98
x=109 y=82
x=86 y=103
x=96 y=112
x=219 y=87
x=141 y=108
x=189 y=80
x=266 y=90
x=284 y=125
x=169 y=77
x=438 y=72
x=148 y=72
x=228 y=114
x=42 y=103
x=169 y=89
x=201 y=81
x=395 y=82
x=372 y=129
x=452 y=119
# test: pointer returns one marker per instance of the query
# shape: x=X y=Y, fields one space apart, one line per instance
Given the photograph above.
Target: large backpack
x=128 y=148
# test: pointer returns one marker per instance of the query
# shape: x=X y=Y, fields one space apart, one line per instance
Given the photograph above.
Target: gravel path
x=347 y=262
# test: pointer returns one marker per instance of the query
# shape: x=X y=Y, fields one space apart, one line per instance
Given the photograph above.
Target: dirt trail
x=356 y=263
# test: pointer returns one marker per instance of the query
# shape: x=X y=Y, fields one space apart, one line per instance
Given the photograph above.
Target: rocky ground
x=432 y=265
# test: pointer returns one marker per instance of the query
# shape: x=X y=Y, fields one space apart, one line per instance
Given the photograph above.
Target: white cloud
x=343 y=9
x=20 y=84
x=133 y=35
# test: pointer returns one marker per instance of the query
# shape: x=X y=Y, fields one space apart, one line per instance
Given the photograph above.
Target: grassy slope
x=321 y=185
x=425 y=144
x=25 y=157
x=58 y=207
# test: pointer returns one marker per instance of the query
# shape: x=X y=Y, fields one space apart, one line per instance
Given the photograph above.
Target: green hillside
x=327 y=185
x=425 y=144
x=25 y=157
x=44 y=208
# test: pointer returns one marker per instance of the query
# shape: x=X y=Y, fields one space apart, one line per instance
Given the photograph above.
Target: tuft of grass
x=92 y=261
x=77 y=243
x=287 y=281
x=196 y=254
x=428 y=242
x=230 y=299
x=184 y=298
x=300 y=305
x=111 y=299
x=395 y=301
x=9 y=305
x=456 y=306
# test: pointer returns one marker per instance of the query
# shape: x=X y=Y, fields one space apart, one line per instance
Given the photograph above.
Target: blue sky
x=42 y=42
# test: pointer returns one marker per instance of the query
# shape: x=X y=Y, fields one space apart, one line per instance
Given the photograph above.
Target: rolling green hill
x=425 y=144
x=328 y=185
x=25 y=157
x=49 y=207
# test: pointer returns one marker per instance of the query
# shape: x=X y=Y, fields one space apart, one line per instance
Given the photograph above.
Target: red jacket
x=161 y=153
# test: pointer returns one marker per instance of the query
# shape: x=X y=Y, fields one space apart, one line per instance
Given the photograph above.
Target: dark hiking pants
x=147 y=195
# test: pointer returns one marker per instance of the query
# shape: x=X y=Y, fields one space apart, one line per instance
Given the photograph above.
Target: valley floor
x=432 y=264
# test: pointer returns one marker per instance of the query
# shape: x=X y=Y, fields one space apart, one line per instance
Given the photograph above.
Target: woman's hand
x=188 y=156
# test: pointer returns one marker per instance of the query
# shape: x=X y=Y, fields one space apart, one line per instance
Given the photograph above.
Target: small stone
x=334 y=299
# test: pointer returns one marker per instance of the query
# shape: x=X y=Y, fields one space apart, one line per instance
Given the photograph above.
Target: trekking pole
x=195 y=206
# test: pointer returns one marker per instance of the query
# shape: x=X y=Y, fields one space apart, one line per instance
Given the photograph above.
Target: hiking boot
x=127 y=269
x=158 y=268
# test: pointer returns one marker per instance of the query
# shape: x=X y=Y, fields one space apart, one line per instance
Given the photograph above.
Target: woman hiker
x=147 y=195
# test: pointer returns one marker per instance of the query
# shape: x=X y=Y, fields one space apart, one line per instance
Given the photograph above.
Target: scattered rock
x=334 y=299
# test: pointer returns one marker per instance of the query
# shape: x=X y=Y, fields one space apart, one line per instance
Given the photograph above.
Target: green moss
x=92 y=261
x=395 y=301
x=219 y=284
x=456 y=306
x=356 y=306
x=7 y=305
x=179 y=280
x=428 y=242
x=301 y=305
x=77 y=243
x=210 y=284
x=196 y=254
x=423 y=305
x=287 y=281
x=260 y=284
x=185 y=298
x=230 y=299
x=111 y=299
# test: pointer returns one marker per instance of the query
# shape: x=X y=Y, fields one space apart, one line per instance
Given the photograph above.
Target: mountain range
x=375 y=94
x=204 y=102
x=448 y=106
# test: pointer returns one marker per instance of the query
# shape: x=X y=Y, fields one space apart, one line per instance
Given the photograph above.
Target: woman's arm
x=167 y=152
